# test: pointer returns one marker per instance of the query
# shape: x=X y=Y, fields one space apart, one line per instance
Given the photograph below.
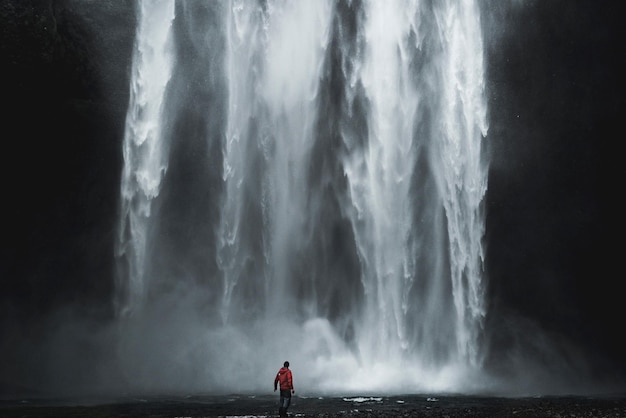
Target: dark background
x=556 y=98
x=554 y=227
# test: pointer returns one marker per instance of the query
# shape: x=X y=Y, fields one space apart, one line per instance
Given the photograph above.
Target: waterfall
x=462 y=176
x=144 y=149
x=271 y=115
x=380 y=175
x=416 y=187
x=346 y=177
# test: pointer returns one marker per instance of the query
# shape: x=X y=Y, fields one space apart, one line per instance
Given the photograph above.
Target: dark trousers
x=285 y=401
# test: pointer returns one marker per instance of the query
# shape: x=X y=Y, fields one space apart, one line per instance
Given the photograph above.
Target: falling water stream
x=144 y=148
x=344 y=169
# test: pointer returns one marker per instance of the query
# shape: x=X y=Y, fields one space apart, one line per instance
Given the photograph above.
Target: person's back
x=285 y=378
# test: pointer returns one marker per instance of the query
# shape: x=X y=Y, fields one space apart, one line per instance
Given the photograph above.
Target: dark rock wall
x=556 y=96
x=65 y=72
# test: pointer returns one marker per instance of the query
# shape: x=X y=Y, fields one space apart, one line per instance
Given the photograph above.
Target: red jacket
x=284 y=377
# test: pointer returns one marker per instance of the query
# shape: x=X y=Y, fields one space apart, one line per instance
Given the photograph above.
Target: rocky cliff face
x=555 y=99
x=65 y=70
x=75 y=49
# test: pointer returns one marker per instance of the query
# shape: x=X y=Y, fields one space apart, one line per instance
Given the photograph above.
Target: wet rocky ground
x=309 y=407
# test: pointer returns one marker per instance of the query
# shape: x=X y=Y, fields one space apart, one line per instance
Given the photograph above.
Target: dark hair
x=286 y=364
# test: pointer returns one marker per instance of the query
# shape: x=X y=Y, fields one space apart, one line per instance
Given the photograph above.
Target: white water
x=380 y=179
x=350 y=224
x=280 y=100
x=462 y=174
x=144 y=148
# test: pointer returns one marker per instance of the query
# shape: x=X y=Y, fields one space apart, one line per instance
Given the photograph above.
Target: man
x=286 y=388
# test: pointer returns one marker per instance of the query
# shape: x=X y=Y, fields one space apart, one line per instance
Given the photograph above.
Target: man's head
x=286 y=364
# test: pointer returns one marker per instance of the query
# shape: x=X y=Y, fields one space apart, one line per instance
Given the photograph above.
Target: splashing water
x=347 y=193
